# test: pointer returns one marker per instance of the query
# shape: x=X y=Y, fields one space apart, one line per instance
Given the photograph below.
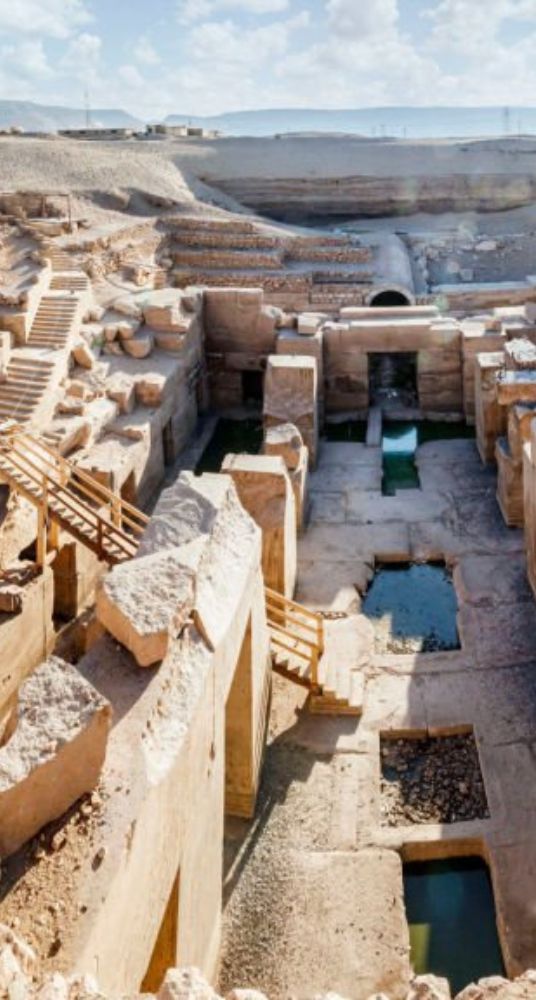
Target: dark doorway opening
x=390 y=297
x=167 y=444
x=393 y=378
x=252 y=388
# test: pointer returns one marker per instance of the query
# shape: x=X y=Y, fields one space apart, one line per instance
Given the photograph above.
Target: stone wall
x=187 y=743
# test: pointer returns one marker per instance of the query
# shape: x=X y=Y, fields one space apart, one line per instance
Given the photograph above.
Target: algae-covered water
x=451 y=916
x=413 y=608
x=231 y=436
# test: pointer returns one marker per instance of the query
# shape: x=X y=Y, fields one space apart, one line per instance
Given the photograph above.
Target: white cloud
x=145 y=53
x=360 y=21
x=51 y=18
x=82 y=57
x=197 y=10
x=468 y=27
x=131 y=76
x=26 y=59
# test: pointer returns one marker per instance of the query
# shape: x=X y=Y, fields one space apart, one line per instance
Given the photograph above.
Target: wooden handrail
x=281 y=599
x=292 y=635
x=108 y=494
x=91 y=518
x=286 y=622
x=291 y=617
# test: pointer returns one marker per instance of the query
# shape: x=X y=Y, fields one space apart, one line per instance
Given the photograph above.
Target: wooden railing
x=109 y=524
x=295 y=631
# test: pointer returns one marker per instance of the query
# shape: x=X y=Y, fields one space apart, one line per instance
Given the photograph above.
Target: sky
x=156 y=57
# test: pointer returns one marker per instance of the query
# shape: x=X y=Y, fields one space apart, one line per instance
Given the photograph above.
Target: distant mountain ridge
x=400 y=122
x=48 y=118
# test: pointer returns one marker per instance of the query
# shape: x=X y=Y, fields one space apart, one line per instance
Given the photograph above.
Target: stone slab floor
x=314 y=895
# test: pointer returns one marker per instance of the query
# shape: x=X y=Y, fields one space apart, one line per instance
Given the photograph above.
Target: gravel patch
x=431 y=781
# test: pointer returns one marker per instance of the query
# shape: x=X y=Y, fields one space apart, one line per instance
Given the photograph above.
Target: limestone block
x=308 y=323
x=140 y=345
x=516 y=387
x=284 y=440
x=236 y=319
x=509 y=485
x=291 y=396
x=55 y=752
x=169 y=340
x=122 y=389
x=265 y=491
x=127 y=307
x=490 y=416
x=150 y=389
x=71 y=407
x=144 y=602
x=520 y=418
x=519 y=354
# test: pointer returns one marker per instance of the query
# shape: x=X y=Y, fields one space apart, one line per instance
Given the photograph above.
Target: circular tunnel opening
x=389 y=297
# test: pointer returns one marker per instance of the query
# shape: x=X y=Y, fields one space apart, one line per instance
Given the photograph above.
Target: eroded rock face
x=144 y=602
x=54 y=753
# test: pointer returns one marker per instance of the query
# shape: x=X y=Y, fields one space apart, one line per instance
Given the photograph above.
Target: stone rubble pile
x=431 y=781
x=20 y=980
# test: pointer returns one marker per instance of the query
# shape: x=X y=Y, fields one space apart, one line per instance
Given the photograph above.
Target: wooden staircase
x=66 y=497
x=302 y=653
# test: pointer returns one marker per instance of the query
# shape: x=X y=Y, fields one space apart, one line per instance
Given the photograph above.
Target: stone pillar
x=291 y=396
x=477 y=339
x=308 y=345
x=266 y=493
x=346 y=369
x=286 y=441
x=490 y=416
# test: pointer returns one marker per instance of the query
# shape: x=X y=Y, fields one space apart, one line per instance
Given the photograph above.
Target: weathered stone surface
x=264 y=489
x=144 y=602
x=284 y=440
x=54 y=753
x=139 y=345
x=291 y=396
x=83 y=355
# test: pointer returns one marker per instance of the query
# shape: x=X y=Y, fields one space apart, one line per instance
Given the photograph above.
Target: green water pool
x=400 y=441
x=231 y=436
x=451 y=916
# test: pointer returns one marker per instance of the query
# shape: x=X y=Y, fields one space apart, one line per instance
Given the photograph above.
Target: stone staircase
x=318 y=268
x=68 y=498
x=61 y=260
x=53 y=322
x=69 y=282
x=27 y=381
x=305 y=653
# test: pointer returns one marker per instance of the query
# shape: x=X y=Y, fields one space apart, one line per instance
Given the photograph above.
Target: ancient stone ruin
x=267 y=593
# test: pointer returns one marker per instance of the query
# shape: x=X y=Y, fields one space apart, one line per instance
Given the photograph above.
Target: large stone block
x=291 y=396
x=55 y=751
x=265 y=491
x=285 y=440
x=490 y=416
x=235 y=319
x=144 y=602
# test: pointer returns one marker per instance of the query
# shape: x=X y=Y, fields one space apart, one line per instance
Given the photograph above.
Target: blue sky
x=155 y=57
